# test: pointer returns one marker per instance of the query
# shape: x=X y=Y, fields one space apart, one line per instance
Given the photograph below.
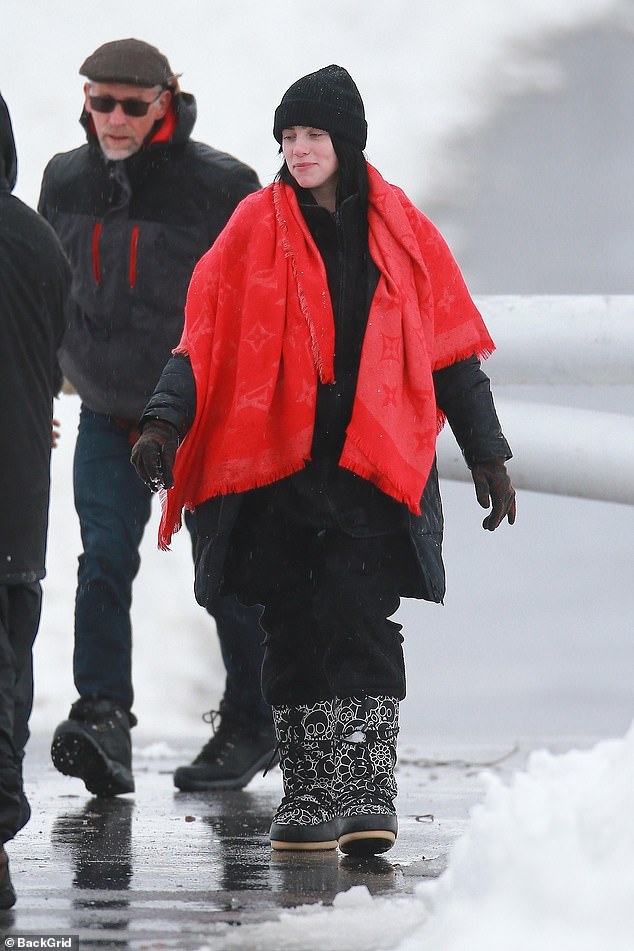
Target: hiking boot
x=94 y=745
x=7 y=891
x=231 y=758
x=365 y=787
x=306 y=818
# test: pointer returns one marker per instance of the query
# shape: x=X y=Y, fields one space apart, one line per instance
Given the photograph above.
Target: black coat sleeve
x=463 y=393
x=174 y=397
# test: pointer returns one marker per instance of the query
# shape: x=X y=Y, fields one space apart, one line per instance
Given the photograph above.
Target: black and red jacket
x=133 y=230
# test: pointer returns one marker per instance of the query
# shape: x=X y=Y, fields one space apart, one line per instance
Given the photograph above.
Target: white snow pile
x=546 y=864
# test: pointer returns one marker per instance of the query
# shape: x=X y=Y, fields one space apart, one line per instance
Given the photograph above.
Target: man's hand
x=494 y=488
x=55 y=432
x=154 y=452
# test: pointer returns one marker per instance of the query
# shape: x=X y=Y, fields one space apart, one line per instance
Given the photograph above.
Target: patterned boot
x=365 y=755
x=306 y=817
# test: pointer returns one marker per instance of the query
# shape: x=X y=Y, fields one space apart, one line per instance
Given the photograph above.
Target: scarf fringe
x=289 y=253
x=482 y=353
x=386 y=486
x=229 y=487
x=165 y=532
x=258 y=481
x=370 y=471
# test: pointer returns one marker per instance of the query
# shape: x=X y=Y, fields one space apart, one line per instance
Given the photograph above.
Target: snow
x=547 y=862
x=534 y=641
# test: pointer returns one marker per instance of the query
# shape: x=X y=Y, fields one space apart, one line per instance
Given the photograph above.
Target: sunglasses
x=131 y=107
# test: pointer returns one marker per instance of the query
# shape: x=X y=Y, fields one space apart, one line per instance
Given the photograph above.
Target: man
x=34 y=280
x=135 y=208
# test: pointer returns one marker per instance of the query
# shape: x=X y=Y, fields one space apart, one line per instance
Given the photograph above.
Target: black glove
x=153 y=454
x=494 y=488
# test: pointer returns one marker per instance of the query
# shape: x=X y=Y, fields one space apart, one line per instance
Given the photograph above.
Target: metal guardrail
x=560 y=341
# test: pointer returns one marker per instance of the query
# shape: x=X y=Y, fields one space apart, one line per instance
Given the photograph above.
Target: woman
x=328 y=333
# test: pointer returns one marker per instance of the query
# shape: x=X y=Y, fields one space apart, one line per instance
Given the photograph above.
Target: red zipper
x=134 y=240
x=96 y=263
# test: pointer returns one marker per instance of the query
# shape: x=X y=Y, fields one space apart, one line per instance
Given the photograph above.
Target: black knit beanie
x=327 y=99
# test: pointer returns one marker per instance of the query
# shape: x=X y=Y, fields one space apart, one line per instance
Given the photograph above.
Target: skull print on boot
x=306 y=816
x=365 y=756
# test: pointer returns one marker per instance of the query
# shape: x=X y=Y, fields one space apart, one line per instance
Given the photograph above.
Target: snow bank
x=547 y=862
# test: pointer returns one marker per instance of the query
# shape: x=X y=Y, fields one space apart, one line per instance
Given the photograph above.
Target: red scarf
x=259 y=332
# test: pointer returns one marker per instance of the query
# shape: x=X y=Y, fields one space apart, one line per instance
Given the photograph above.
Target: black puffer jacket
x=133 y=230
x=462 y=392
x=34 y=280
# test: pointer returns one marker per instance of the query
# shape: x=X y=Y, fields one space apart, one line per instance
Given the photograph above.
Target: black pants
x=20 y=606
x=327 y=598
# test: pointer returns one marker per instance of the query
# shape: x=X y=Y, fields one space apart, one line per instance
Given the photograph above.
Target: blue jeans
x=114 y=506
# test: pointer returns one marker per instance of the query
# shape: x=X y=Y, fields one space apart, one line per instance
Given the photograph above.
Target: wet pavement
x=170 y=870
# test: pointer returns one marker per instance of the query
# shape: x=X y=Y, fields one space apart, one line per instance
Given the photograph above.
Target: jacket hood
x=175 y=127
x=8 y=155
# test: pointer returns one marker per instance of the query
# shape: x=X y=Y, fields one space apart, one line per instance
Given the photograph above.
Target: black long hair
x=353 y=173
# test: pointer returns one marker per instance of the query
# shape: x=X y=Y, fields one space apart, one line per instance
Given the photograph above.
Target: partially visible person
x=34 y=281
x=328 y=334
x=135 y=208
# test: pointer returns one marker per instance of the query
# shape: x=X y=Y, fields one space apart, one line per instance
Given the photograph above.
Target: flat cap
x=130 y=61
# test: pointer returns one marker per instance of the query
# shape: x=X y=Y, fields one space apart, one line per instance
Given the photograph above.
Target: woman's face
x=311 y=160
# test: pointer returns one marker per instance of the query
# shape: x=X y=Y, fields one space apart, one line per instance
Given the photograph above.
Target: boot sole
x=291 y=838
x=76 y=754
x=279 y=845
x=367 y=835
x=234 y=782
x=362 y=844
